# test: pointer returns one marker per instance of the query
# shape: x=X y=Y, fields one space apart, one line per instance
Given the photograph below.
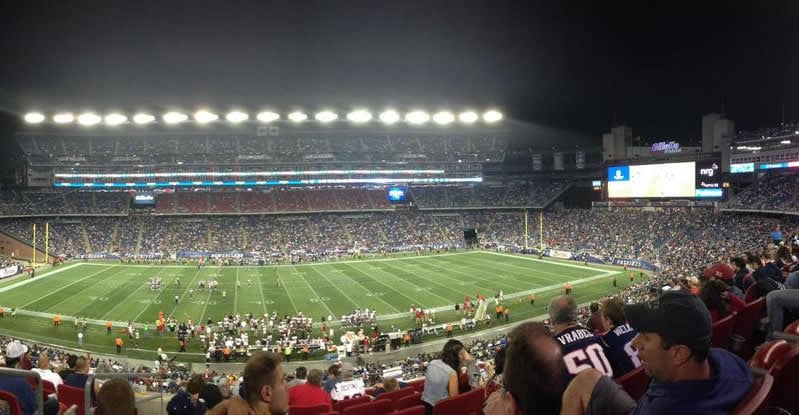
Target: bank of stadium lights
x=204 y=117
x=34 y=117
x=443 y=118
x=267 y=116
x=63 y=118
x=417 y=117
x=236 y=117
x=389 y=117
x=114 y=119
x=359 y=116
x=89 y=119
x=298 y=116
x=492 y=116
x=468 y=117
x=142 y=118
x=175 y=117
x=326 y=116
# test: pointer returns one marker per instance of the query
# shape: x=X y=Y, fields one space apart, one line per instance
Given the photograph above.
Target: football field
x=120 y=293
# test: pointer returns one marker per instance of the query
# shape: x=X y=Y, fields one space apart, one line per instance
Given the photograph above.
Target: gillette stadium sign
x=666 y=147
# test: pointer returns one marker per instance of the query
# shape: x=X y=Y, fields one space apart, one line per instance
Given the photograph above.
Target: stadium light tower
x=417 y=117
x=492 y=116
x=389 y=117
x=175 y=117
x=34 y=117
x=326 y=116
x=359 y=116
x=443 y=118
x=89 y=119
x=204 y=117
x=237 y=116
x=142 y=118
x=298 y=116
x=267 y=116
x=63 y=118
x=468 y=117
x=115 y=119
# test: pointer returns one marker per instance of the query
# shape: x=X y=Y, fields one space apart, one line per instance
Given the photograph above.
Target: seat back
x=469 y=403
x=754 y=403
x=397 y=394
x=309 y=410
x=13 y=403
x=722 y=332
x=792 y=329
x=635 y=382
x=769 y=354
x=413 y=410
x=746 y=325
x=786 y=382
x=340 y=406
x=378 y=407
x=407 y=401
x=69 y=396
x=48 y=388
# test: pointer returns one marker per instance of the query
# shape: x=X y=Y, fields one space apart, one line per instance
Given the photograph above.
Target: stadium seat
x=786 y=382
x=13 y=402
x=635 y=383
x=747 y=325
x=378 y=407
x=469 y=403
x=342 y=405
x=414 y=410
x=754 y=403
x=769 y=354
x=792 y=329
x=309 y=410
x=397 y=394
x=407 y=401
x=71 y=396
x=722 y=332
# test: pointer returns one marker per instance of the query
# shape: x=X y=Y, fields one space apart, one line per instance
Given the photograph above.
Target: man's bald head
x=563 y=310
x=82 y=365
x=116 y=397
x=534 y=370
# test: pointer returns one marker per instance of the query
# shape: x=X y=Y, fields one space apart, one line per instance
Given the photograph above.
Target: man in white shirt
x=45 y=372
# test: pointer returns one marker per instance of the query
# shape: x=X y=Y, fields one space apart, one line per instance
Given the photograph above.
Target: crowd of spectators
x=55 y=203
x=529 y=194
x=774 y=190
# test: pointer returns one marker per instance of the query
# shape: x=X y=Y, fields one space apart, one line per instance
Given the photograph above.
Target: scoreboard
x=692 y=179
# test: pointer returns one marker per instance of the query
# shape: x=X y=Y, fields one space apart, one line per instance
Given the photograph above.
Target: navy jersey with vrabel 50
x=619 y=349
x=583 y=350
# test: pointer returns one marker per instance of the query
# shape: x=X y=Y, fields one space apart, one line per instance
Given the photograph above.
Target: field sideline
x=116 y=292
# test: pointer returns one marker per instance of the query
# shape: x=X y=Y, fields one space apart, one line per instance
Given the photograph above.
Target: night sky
x=574 y=68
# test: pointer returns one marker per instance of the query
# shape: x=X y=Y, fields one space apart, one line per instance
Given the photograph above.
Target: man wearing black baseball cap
x=673 y=344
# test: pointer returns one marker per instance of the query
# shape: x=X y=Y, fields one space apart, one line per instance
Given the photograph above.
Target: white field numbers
x=633 y=353
x=590 y=357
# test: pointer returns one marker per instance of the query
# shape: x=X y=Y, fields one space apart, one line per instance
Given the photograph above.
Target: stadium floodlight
x=443 y=117
x=492 y=116
x=298 y=116
x=204 y=117
x=237 y=117
x=267 y=116
x=785 y=142
x=359 y=116
x=175 y=117
x=468 y=117
x=326 y=116
x=88 y=119
x=417 y=117
x=34 y=117
x=142 y=118
x=389 y=117
x=115 y=119
x=63 y=118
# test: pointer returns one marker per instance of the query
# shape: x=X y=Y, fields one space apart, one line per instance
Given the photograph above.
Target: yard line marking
x=235 y=293
x=31 y=280
x=380 y=270
x=543 y=260
x=329 y=311
x=283 y=285
x=66 y=286
x=163 y=291
x=509 y=277
x=350 y=298
x=261 y=289
x=123 y=300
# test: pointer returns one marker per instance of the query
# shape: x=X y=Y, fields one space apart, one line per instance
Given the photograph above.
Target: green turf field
x=120 y=293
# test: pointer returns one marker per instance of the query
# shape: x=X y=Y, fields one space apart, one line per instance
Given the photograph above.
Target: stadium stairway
x=85 y=237
x=139 y=237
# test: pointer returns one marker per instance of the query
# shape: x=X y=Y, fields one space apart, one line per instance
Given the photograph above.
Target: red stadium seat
x=309 y=410
x=414 y=410
x=13 y=402
x=635 y=383
x=786 y=382
x=792 y=329
x=722 y=332
x=407 y=401
x=747 y=325
x=469 y=403
x=69 y=396
x=397 y=394
x=378 y=407
x=769 y=354
x=342 y=405
x=754 y=403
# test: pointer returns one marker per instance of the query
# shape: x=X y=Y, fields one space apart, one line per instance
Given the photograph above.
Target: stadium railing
x=27 y=374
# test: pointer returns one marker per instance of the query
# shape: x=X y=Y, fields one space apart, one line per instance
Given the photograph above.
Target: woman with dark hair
x=441 y=377
x=718 y=300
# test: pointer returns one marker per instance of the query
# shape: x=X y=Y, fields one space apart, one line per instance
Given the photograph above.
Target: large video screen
x=652 y=181
x=144 y=199
x=396 y=194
